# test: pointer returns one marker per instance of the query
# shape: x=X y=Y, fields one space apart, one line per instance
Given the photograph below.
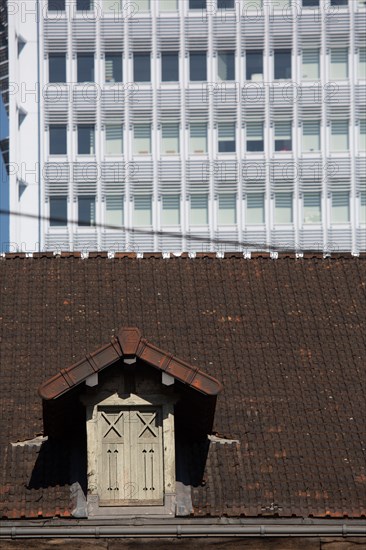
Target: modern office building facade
x=4 y=129
x=188 y=124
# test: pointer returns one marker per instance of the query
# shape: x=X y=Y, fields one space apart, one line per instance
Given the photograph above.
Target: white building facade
x=192 y=125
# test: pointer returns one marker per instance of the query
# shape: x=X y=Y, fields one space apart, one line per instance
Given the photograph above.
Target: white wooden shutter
x=130 y=461
x=310 y=64
x=255 y=208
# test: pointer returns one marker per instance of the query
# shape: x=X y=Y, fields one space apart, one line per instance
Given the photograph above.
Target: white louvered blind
x=226 y=136
x=311 y=136
x=312 y=208
x=362 y=140
x=339 y=63
x=114 y=210
x=198 y=137
x=363 y=207
x=170 y=210
x=255 y=208
x=254 y=132
x=227 y=209
x=362 y=63
x=114 y=139
x=170 y=139
x=310 y=64
x=142 y=214
x=283 y=208
x=142 y=139
x=339 y=135
x=340 y=207
x=199 y=210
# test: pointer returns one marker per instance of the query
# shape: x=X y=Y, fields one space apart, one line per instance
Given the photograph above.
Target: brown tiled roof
x=127 y=343
x=286 y=338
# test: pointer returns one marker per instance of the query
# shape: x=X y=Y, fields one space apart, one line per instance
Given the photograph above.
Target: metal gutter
x=181 y=530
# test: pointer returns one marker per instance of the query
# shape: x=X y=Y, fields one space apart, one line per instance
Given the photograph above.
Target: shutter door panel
x=130 y=462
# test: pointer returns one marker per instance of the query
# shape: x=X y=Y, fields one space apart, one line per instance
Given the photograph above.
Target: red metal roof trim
x=128 y=343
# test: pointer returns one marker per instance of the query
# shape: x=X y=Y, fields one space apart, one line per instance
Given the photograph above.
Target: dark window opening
x=141 y=67
x=169 y=67
x=58 y=140
x=85 y=67
x=282 y=64
x=57 y=67
x=254 y=65
x=58 y=211
x=197 y=66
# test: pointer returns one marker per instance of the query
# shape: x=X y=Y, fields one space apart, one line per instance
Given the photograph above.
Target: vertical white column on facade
x=352 y=126
x=44 y=223
x=240 y=149
x=70 y=80
x=184 y=144
x=156 y=130
x=268 y=64
x=296 y=85
x=325 y=138
x=213 y=133
x=99 y=133
x=128 y=90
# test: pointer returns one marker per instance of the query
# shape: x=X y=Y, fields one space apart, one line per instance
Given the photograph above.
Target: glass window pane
x=57 y=67
x=312 y=208
x=226 y=65
x=339 y=2
x=311 y=136
x=255 y=141
x=362 y=138
x=142 y=5
x=170 y=139
x=225 y=4
x=363 y=207
x=310 y=3
x=310 y=64
x=283 y=136
x=255 y=208
x=84 y=5
x=86 y=139
x=168 y=5
x=197 y=4
x=113 y=67
x=56 y=5
x=85 y=67
x=58 y=140
x=227 y=209
x=112 y=6
x=114 y=139
x=198 y=138
x=58 y=211
x=114 y=210
x=339 y=63
x=226 y=133
x=142 y=139
x=253 y=4
x=199 y=210
x=340 y=207
x=283 y=208
x=281 y=4
x=339 y=135
x=362 y=63
x=86 y=211
x=142 y=210
x=170 y=210
x=282 y=64
x=141 y=67
x=254 y=65
x=169 y=67
x=197 y=66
